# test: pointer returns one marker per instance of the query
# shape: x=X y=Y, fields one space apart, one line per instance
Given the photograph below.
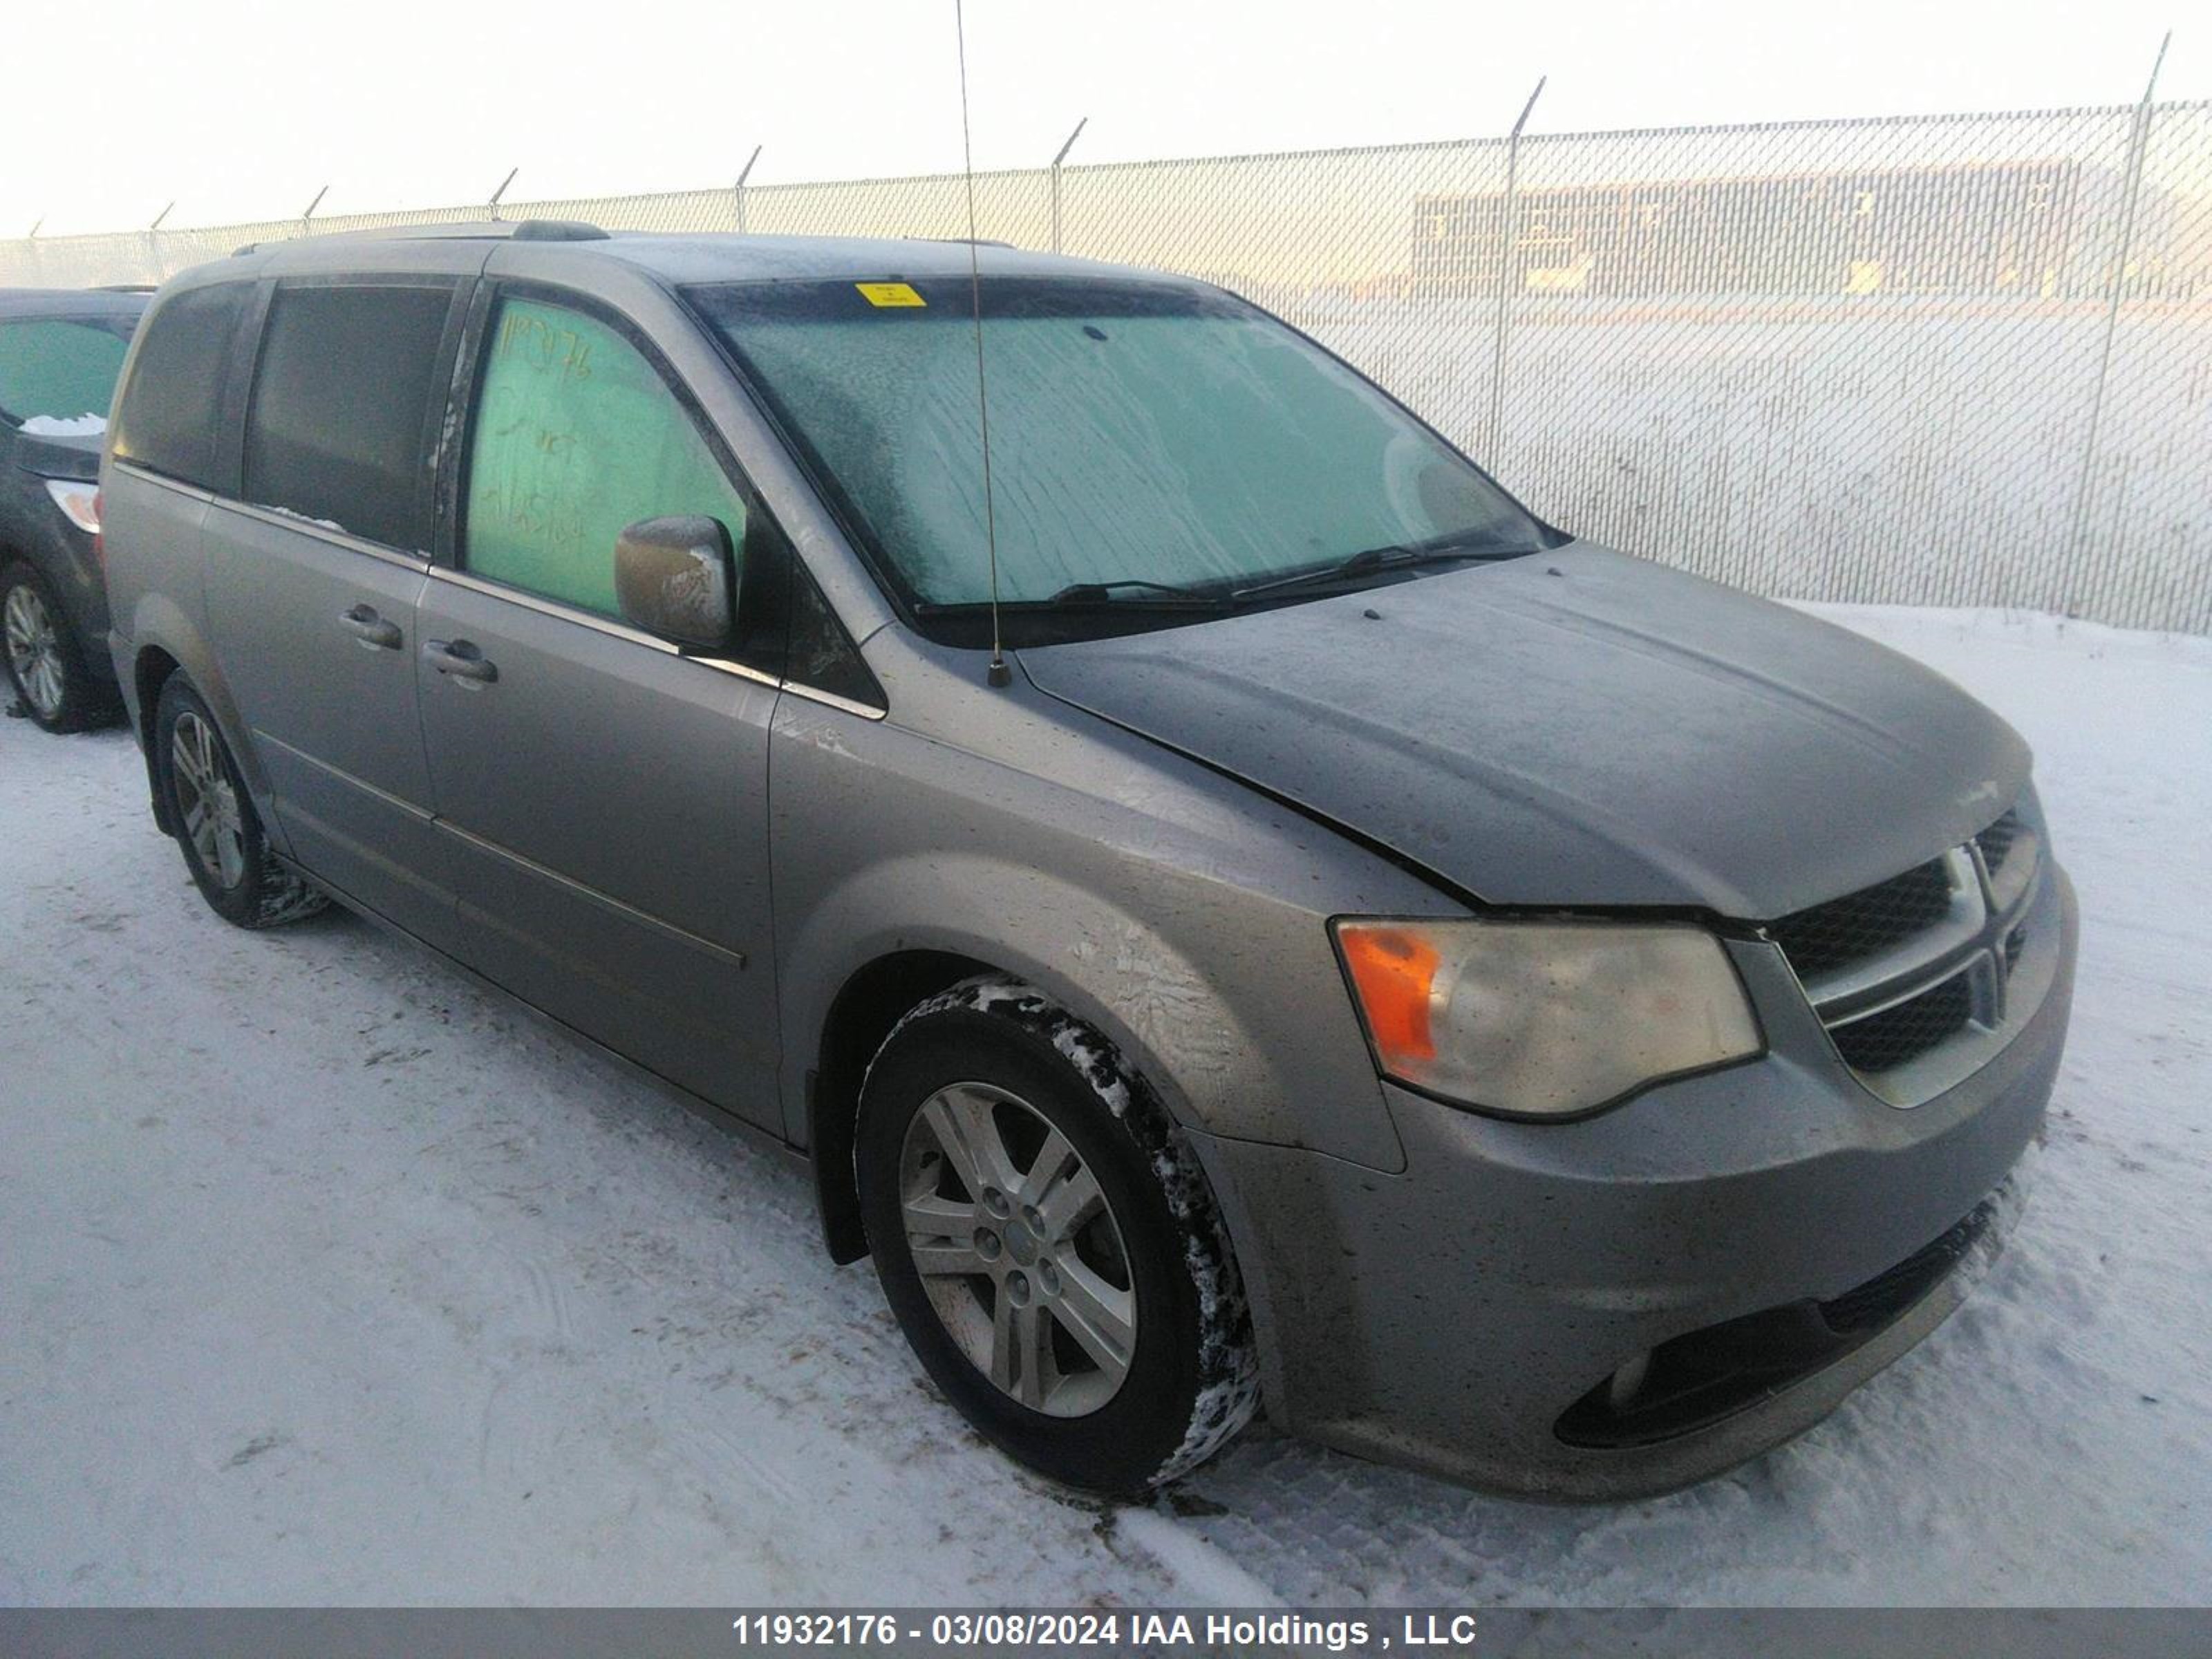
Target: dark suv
x=60 y=353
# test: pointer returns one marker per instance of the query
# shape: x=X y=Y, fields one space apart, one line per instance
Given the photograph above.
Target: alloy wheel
x=207 y=803
x=34 y=652
x=1018 y=1249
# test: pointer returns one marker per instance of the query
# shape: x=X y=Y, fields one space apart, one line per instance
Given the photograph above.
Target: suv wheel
x=43 y=663
x=1048 y=1242
x=216 y=823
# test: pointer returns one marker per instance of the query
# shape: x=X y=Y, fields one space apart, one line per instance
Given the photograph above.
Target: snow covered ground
x=325 y=1278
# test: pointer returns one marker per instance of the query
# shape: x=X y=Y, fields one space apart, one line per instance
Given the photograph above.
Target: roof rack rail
x=511 y=230
x=963 y=241
x=556 y=230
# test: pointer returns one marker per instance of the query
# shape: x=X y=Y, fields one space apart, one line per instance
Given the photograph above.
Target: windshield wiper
x=1370 y=560
x=1123 y=594
x=1142 y=592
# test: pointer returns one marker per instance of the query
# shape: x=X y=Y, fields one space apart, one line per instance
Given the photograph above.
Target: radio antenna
x=998 y=673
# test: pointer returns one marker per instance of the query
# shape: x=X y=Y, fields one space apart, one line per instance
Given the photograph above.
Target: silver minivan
x=1235 y=911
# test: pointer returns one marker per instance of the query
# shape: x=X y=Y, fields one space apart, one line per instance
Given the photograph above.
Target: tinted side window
x=171 y=412
x=341 y=399
x=576 y=436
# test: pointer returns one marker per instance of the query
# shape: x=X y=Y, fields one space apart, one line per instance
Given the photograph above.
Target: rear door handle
x=371 y=630
x=460 y=659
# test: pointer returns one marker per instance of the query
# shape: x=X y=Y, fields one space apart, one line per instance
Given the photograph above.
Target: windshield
x=1144 y=437
x=57 y=371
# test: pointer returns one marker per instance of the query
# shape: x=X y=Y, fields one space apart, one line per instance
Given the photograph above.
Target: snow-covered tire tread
x=1228 y=1369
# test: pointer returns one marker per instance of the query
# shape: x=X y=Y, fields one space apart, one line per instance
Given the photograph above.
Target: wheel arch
x=873 y=1000
x=908 y=928
x=888 y=979
x=149 y=672
x=166 y=641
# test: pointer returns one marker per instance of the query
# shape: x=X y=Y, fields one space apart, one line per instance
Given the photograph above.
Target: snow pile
x=289 y=512
x=329 y=1279
x=75 y=426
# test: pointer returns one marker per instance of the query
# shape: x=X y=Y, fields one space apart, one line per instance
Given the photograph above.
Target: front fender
x=1102 y=964
x=1183 y=917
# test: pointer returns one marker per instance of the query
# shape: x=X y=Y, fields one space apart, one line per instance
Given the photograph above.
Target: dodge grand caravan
x=1324 y=939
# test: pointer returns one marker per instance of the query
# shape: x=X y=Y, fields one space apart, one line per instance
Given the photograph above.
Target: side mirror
x=673 y=579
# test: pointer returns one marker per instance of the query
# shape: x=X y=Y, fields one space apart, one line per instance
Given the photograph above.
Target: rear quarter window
x=343 y=397
x=169 y=419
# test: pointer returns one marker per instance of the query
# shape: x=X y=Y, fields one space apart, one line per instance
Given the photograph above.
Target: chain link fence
x=1954 y=360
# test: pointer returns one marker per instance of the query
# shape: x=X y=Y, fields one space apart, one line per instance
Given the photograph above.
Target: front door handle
x=371 y=630
x=460 y=659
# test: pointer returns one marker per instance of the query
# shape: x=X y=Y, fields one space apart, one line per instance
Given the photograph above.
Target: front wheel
x=216 y=827
x=1049 y=1244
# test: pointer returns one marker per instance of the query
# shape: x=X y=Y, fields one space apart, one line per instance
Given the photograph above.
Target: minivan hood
x=58 y=456
x=1577 y=728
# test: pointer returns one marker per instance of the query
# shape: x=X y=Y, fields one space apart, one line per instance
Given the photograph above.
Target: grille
x=1865 y=923
x=1996 y=841
x=1948 y=932
x=1907 y=1031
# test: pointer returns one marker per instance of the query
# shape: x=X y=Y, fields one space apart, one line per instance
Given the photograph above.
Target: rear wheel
x=46 y=664
x=1049 y=1244
x=216 y=827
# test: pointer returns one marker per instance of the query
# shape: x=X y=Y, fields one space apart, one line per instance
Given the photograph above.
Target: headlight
x=1544 y=1019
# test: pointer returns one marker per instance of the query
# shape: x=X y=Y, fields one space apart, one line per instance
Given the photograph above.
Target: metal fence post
x=2123 y=243
x=153 y=244
x=493 y=205
x=1056 y=160
x=309 y=212
x=737 y=190
x=1510 y=221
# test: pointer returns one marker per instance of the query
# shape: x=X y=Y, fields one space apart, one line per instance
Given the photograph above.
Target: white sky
x=240 y=109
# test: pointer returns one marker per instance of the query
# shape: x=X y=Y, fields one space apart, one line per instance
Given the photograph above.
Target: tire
x=1095 y=1329
x=46 y=662
x=216 y=828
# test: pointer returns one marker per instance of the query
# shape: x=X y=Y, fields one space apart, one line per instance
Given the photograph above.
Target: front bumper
x=1448 y=1318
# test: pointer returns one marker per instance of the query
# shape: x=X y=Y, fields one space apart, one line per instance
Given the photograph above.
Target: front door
x=604 y=797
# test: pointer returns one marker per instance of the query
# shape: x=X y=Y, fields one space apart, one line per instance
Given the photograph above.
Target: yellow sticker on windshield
x=889 y=294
